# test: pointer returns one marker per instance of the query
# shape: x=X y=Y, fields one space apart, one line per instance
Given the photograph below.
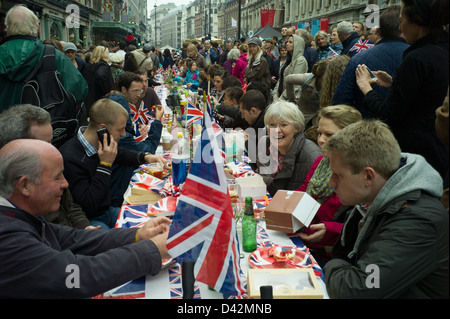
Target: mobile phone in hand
x=371 y=74
x=100 y=134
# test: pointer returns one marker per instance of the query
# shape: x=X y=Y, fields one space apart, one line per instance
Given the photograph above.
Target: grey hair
x=234 y=54
x=16 y=121
x=345 y=27
x=14 y=165
x=21 y=21
x=287 y=112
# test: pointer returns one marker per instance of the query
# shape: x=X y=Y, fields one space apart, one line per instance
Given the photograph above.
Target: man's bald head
x=24 y=157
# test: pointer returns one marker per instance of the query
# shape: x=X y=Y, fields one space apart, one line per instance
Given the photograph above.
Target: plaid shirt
x=88 y=148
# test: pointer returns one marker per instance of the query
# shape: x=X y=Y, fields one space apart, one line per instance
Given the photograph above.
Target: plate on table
x=286 y=257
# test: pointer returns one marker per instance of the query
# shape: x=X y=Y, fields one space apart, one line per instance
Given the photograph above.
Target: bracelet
x=105 y=164
x=136 y=236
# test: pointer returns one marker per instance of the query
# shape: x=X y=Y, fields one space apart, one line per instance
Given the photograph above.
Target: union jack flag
x=203 y=227
x=131 y=290
x=193 y=113
x=333 y=53
x=164 y=206
x=216 y=128
x=148 y=182
x=132 y=216
x=174 y=69
x=362 y=45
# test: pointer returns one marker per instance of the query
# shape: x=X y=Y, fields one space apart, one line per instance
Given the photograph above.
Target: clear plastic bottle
x=249 y=227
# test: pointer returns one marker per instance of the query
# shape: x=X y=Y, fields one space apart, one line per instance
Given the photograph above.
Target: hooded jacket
x=239 y=68
x=298 y=65
x=19 y=56
x=404 y=234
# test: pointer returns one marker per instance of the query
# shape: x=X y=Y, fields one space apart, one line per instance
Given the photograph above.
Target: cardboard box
x=289 y=211
x=253 y=186
x=292 y=283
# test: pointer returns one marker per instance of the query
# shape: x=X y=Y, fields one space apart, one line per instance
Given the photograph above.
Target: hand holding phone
x=100 y=134
x=371 y=74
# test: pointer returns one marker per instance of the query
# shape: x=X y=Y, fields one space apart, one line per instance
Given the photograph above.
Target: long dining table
x=167 y=284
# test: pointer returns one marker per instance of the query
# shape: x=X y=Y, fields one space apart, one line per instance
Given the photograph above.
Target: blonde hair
x=105 y=111
x=322 y=34
x=100 y=53
x=243 y=48
x=366 y=143
x=286 y=112
x=341 y=115
x=21 y=21
x=192 y=48
x=333 y=73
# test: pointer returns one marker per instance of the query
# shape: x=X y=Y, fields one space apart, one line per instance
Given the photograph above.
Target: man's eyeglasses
x=137 y=91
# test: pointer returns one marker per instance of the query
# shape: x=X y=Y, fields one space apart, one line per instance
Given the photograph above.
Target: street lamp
x=156 y=43
x=239 y=20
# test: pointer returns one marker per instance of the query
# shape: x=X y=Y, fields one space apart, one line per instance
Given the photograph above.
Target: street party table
x=168 y=283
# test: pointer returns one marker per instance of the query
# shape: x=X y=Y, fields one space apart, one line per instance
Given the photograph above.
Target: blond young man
x=394 y=243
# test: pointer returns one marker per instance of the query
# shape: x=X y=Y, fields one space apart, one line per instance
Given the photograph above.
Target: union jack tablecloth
x=167 y=284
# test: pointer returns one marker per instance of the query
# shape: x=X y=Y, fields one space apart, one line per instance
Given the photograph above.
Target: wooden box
x=292 y=283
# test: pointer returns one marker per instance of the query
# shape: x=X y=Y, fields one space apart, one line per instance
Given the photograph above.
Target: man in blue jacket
x=348 y=37
x=209 y=53
x=386 y=55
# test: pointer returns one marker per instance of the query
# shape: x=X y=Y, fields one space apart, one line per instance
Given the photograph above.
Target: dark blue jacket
x=311 y=56
x=348 y=43
x=385 y=56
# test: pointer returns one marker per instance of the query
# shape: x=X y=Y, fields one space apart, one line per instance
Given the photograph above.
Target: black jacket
x=418 y=89
x=89 y=181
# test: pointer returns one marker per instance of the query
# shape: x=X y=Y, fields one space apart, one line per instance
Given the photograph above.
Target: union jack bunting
x=193 y=113
x=203 y=228
x=362 y=45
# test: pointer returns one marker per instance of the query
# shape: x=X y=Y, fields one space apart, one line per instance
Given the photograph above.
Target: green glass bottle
x=249 y=227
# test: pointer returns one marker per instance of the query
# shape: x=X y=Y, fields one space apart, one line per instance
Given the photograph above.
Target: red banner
x=324 y=24
x=267 y=17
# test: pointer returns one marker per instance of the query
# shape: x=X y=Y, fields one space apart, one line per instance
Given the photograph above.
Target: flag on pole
x=216 y=128
x=193 y=113
x=362 y=45
x=203 y=228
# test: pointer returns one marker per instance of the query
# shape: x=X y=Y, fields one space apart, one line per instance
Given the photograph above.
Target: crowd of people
x=356 y=118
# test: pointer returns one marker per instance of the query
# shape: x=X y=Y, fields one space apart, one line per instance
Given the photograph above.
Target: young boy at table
x=395 y=242
x=88 y=161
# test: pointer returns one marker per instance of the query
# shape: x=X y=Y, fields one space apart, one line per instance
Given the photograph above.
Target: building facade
x=85 y=21
x=287 y=13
